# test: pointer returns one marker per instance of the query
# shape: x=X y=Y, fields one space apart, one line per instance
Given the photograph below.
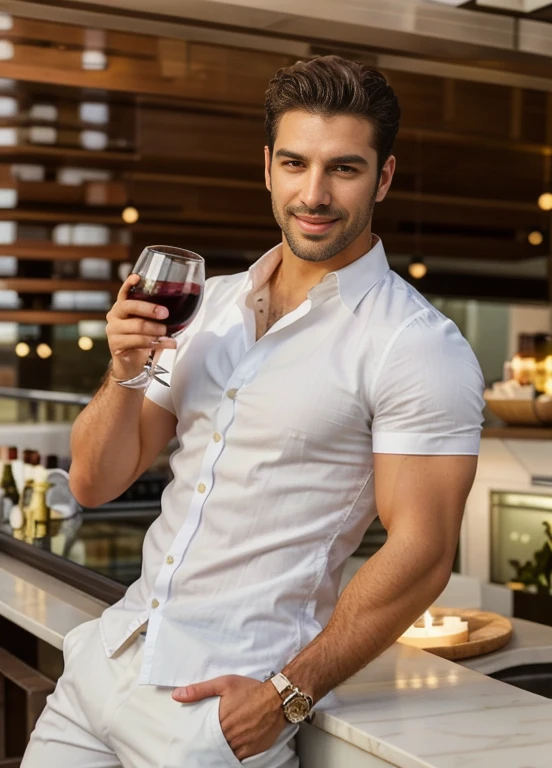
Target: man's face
x=324 y=183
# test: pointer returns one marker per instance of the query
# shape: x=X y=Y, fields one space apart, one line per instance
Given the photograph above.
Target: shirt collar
x=353 y=281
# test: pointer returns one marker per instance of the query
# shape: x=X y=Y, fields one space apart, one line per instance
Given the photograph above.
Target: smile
x=313 y=226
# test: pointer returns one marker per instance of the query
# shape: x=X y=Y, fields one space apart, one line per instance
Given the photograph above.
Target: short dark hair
x=332 y=85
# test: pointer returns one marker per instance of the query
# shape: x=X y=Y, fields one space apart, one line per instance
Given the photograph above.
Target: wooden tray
x=488 y=632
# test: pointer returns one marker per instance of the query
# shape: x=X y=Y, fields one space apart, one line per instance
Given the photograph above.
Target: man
x=310 y=394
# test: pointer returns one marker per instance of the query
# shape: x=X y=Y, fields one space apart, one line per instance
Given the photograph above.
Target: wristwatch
x=297 y=705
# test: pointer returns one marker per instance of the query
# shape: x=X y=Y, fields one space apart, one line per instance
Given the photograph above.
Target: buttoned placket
x=243 y=374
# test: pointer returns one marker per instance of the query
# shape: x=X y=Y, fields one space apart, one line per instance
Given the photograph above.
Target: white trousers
x=99 y=717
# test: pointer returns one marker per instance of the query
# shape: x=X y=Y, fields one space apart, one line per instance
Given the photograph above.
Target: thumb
x=199 y=691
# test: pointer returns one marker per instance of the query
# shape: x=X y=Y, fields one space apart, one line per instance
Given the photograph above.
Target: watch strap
x=281 y=683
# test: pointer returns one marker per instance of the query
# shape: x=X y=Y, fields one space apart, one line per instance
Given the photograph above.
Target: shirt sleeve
x=157 y=392
x=427 y=396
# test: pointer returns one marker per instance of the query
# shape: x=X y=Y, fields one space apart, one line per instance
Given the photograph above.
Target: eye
x=346 y=169
x=293 y=163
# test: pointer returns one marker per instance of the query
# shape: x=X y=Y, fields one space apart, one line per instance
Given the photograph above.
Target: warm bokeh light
x=535 y=237
x=545 y=201
x=85 y=343
x=22 y=349
x=130 y=215
x=417 y=269
x=44 y=351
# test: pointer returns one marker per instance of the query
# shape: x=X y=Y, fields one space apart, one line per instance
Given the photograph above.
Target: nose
x=316 y=190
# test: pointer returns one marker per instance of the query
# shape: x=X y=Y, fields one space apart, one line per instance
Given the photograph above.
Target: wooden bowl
x=527 y=412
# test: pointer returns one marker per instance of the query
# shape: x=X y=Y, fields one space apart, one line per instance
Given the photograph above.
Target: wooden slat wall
x=140 y=65
x=186 y=139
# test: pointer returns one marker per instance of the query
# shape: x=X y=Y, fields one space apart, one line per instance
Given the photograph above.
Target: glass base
x=143 y=380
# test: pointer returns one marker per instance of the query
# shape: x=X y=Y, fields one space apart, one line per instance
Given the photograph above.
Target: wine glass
x=173 y=278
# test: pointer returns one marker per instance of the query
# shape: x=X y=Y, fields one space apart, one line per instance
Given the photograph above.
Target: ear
x=268 y=164
x=386 y=178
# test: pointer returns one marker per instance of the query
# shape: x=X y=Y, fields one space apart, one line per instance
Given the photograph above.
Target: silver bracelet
x=141 y=381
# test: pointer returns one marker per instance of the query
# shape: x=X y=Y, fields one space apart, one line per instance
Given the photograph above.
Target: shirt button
x=217 y=437
x=155 y=603
x=169 y=560
x=231 y=393
x=202 y=487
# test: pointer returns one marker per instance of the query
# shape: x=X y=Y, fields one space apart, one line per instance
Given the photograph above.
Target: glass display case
x=520 y=523
x=97 y=550
x=106 y=541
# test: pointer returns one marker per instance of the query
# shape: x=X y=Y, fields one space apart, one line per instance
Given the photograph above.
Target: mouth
x=315 y=225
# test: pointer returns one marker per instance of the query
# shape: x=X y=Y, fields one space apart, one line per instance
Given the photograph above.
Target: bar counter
x=408 y=708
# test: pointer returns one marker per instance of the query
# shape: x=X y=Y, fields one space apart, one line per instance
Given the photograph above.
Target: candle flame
x=428 y=620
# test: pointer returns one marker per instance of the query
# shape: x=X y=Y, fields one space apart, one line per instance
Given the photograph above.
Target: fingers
x=127 y=342
x=136 y=325
x=135 y=308
x=197 y=691
x=127 y=285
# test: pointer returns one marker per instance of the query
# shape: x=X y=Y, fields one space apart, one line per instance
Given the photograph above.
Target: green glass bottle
x=8 y=488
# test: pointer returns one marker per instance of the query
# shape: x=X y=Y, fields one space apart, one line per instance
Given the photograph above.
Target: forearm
x=386 y=596
x=105 y=444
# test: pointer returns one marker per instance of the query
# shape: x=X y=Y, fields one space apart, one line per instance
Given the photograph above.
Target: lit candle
x=451 y=631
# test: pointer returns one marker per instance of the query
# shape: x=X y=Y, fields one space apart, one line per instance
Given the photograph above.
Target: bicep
x=157 y=428
x=424 y=496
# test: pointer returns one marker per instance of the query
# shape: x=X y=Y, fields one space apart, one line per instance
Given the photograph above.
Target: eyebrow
x=340 y=160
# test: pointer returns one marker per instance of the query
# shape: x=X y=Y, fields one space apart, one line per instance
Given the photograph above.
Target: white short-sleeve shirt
x=273 y=475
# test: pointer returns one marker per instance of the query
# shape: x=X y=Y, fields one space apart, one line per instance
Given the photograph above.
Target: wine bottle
x=17 y=513
x=10 y=494
x=39 y=512
x=52 y=461
x=31 y=459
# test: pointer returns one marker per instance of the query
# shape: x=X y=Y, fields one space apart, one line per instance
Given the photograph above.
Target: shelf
x=48 y=251
x=60 y=217
x=151 y=216
x=45 y=285
x=47 y=317
x=67 y=155
x=44 y=396
x=518 y=433
x=92 y=194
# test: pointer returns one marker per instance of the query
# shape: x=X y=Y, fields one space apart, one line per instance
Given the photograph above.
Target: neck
x=294 y=277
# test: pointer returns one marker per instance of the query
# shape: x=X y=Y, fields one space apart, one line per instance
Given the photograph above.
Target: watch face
x=297 y=709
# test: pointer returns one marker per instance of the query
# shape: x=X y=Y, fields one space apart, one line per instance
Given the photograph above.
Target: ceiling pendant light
x=22 y=349
x=130 y=214
x=535 y=237
x=417 y=268
x=44 y=351
x=545 y=200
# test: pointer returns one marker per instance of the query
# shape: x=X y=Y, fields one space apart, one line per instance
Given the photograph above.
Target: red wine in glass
x=173 y=278
x=181 y=299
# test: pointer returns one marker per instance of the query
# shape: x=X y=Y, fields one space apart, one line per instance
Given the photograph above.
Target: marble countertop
x=42 y=604
x=531 y=643
x=408 y=707
x=416 y=710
